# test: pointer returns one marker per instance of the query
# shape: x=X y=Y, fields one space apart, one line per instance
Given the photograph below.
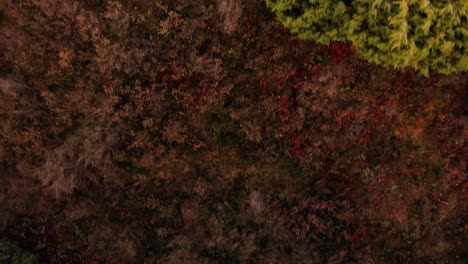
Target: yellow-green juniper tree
x=422 y=34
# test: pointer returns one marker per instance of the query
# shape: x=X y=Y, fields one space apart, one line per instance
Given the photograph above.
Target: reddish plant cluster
x=339 y=51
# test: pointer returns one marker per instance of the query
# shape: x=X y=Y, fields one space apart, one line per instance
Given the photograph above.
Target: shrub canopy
x=423 y=34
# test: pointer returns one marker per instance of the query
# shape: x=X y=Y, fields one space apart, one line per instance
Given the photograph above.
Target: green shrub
x=422 y=34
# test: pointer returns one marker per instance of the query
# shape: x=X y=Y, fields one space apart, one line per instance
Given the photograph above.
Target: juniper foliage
x=421 y=34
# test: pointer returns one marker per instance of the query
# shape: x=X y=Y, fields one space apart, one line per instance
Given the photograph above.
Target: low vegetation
x=184 y=131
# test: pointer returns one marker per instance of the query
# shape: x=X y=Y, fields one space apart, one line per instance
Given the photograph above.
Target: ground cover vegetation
x=184 y=131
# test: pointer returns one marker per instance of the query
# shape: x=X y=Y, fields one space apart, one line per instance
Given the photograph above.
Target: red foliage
x=339 y=51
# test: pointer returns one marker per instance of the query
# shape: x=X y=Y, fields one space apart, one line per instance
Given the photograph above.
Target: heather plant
x=65 y=166
x=203 y=131
x=424 y=35
x=230 y=12
x=11 y=253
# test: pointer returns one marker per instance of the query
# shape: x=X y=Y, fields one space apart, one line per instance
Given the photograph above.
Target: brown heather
x=184 y=131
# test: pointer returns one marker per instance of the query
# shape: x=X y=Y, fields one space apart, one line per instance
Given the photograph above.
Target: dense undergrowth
x=201 y=131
